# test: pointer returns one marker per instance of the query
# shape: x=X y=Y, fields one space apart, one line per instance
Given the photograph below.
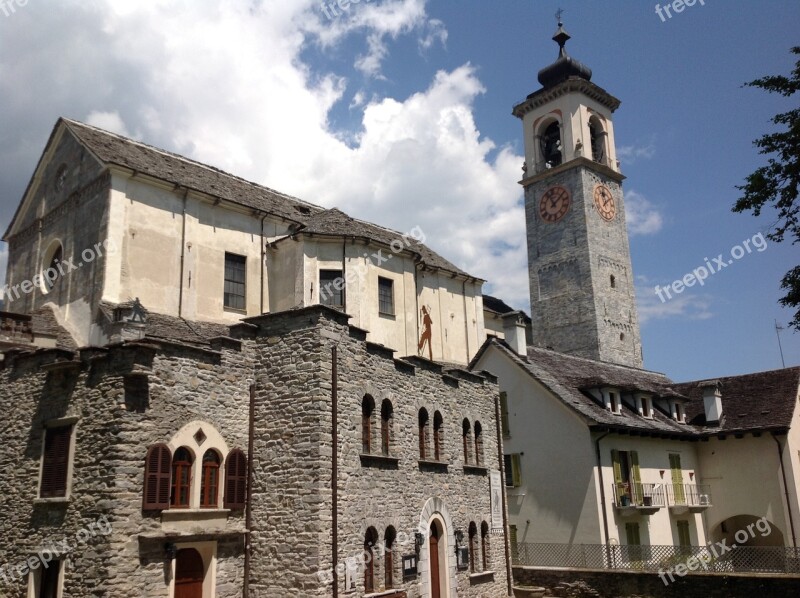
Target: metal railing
x=640 y=495
x=657 y=558
x=15 y=327
x=690 y=495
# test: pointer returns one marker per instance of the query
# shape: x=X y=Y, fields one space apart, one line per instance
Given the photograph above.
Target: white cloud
x=110 y=121
x=226 y=84
x=631 y=153
x=642 y=217
x=691 y=306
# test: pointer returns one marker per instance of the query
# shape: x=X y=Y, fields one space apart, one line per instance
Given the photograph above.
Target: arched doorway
x=438 y=560
x=189 y=574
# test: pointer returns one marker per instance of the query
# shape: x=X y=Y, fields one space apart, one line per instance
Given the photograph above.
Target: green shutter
x=637 y=478
x=504 y=414
x=677 y=478
x=632 y=533
x=684 y=537
x=618 y=484
x=516 y=469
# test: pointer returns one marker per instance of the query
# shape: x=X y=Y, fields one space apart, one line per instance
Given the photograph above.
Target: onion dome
x=565 y=66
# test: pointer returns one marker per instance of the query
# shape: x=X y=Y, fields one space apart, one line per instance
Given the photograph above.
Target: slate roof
x=760 y=401
x=496 y=305
x=43 y=321
x=116 y=149
x=334 y=222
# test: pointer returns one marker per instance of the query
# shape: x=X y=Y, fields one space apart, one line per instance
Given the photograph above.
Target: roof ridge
x=795 y=368
x=600 y=361
x=214 y=169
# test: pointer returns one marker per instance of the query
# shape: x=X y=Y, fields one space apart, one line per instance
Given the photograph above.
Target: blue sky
x=399 y=112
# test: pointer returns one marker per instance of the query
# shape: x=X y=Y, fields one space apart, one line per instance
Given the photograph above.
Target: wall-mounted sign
x=496 y=490
x=462 y=554
x=409 y=567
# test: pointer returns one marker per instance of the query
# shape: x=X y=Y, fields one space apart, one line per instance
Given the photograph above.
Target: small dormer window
x=615 y=403
x=647 y=408
x=680 y=413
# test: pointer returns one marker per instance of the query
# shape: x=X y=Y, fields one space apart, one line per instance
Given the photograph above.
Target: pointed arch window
x=388 y=558
x=473 y=546
x=485 y=545
x=597 y=137
x=370 y=540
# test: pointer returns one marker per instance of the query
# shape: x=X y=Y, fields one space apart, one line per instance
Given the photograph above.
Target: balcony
x=694 y=498
x=645 y=499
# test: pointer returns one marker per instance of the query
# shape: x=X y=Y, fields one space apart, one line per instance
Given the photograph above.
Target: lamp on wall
x=419 y=540
x=170 y=551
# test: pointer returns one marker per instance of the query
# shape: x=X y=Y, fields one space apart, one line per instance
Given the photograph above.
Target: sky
x=399 y=112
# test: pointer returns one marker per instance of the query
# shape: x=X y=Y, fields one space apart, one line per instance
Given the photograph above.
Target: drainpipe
x=786 y=490
x=263 y=260
x=248 y=509
x=603 y=493
x=335 y=468
x=497 y=418
x=183 y=254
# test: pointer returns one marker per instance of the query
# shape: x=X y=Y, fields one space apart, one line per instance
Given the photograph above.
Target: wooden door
x=189 y=574
x=433 y=549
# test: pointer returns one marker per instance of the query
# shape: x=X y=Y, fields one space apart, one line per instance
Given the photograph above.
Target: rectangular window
x=616 y=405
x=331 y=288
x=55 y=462
x=235 y=274
x=647 y=408
x=386 y=296
x=504 y=415
x=44 y=582
x=511 y=464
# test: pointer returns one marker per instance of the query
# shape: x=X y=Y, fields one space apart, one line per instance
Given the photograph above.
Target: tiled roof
x=496 y=305
x=43 y=321
x=116 y=149
x=761 y=401
x=334 y=222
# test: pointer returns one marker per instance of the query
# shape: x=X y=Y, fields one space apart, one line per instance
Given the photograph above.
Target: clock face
x=604 y=202
x=554 y=204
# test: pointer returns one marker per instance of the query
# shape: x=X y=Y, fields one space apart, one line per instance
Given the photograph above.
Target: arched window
x=551 y=145
x=370 y=540
x=597 y=137
x=438 y=437
x=157 y=472
x=466 y=431
x=388 y=557
x=235 y=480
x=478 y=444
x=423 y=433
x=613 y=281
x=209 y=488
x=485 y=545
x=181 y=478
x=386 y=425
x=52 y=273
x=473 y=546
x=367 y=411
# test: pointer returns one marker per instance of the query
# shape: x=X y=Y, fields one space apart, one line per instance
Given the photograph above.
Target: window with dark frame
x=385 y=296
x=181 y=478
x=423 y=433
x=485 y=545
x=388 y=557
x=473 y=546
x=386 y=426
x=466 y=431
x=48 y=582
x=55 y=462
x=511 y=468
x=478 y=444
x=209 y=489
x=367 y=411
x=370 y=540
x=235 y=278
x=438 y=436
x=332 y=288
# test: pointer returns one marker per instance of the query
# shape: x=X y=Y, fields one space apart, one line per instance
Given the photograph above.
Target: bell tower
x=579 y=265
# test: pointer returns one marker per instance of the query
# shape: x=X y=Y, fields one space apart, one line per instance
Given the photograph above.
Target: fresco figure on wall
x=427 y=325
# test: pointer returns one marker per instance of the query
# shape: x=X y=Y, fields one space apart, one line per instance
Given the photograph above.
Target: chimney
x=712 y=400
x=514 y=331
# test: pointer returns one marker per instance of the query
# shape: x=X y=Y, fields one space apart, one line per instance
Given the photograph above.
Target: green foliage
x=777 y=184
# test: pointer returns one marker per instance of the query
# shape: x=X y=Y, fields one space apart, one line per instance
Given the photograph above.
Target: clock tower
x=581 y=282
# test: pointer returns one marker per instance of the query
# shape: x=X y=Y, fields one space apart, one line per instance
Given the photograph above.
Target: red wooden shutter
x=235 y=480
x=157 y=474
x=55 y=462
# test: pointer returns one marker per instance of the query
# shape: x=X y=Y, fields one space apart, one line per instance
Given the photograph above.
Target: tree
x=778 y=183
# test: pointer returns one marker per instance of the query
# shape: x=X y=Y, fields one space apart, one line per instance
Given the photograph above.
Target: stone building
x=213 y=389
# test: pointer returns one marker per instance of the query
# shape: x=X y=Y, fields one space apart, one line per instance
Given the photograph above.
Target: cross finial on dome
x=559 y=12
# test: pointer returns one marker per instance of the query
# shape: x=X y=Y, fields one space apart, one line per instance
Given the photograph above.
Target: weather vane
x=558 y=15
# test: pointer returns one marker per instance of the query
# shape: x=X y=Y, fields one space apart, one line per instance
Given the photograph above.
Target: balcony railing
x=695 y=497
x=15 y=327
x=656 y=558
x=639 y=496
